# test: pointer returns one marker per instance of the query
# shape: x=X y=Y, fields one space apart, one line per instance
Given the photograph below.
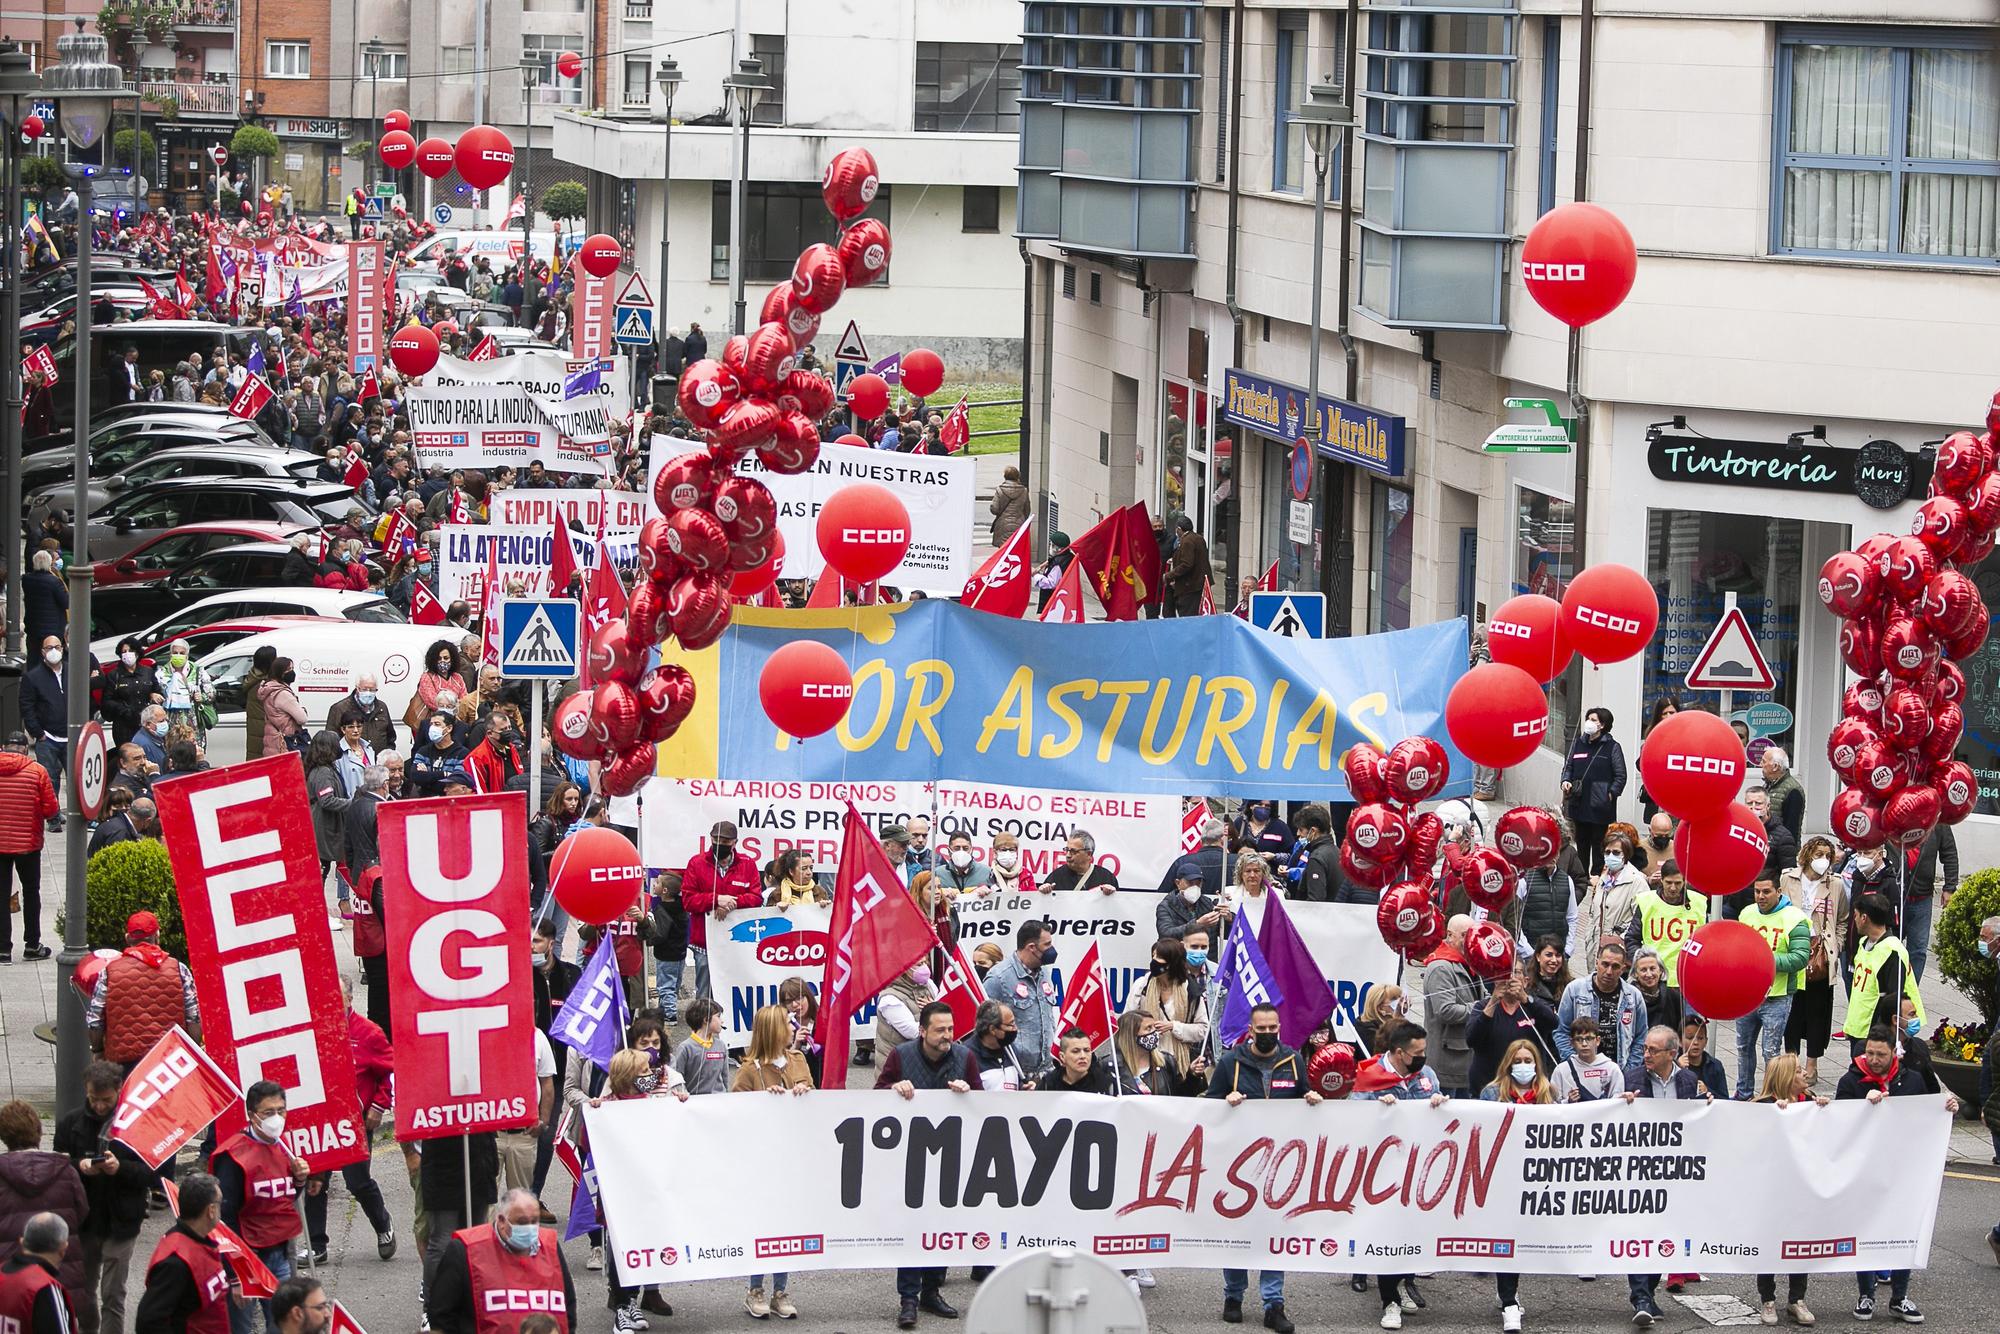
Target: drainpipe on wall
x=1038 y=516
x=1580 y=506
x=1229 y=280
x=1340 y=600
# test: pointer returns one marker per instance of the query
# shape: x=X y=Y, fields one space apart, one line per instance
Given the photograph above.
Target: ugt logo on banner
x=455 y=893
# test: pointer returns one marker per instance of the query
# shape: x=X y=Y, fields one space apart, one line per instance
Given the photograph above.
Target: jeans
x=27 y=872
x=777 y=1281
x=698 y=956
x=1917 y=931
x=242 y=1319
x=545 y=1153
x=667 y=975
x=1795 y=1288
x=106 y=1264
x=1270 y=1285
x=1640 y=1288
x=914 y=1283
x=442 y=1223
x=360 y=1180
x=1763 y=1027
x=1899 y=1284
x=50 y=756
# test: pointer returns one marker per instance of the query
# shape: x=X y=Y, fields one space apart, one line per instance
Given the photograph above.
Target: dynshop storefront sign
x=1349 y=432
x=1881 y=474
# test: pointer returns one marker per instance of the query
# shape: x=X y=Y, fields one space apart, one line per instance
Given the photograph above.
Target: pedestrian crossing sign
x=373 y=207
x=1293 y=615
x=634 y=326
x=538 y=637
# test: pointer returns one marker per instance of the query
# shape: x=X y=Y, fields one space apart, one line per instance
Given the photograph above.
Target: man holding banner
x=259 y=1178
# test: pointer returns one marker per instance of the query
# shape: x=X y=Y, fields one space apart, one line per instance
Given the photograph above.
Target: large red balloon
x=434 y=158
x=33 y=127
x=1950 y=603
x=1330 y=1072
x=1362 y=766
x=781 y=306
x=749 y=583
x=1610 y=612
x=614 y=653
x=1692 y=764
x=868 y=396
x=1579 y=263
x=818 y=277
x=1378 y=832
x=596 y=874
x=395 y=120
x=922 y=371
x=1726 y=970
x=811 y=393
x=1497 y=715
x=850 y=182
x=1958 y=791
x=1907 y=565
x=484 y=158
x=666 y=698
x=864 y=252
x=745 y=507
x=1527 y=632
x=1417 y=769
x=414 y=349
x=1844 y=742
x=707 y=390
x=1528 y=836
x=1849 y=584
x=1489 y=879
x=1722 y=853
x=398 y=149
x=569 y=64
x=1857 y=818
x=600 y=255
x=698 y=538
x=1489 y=951
x=793 y=446
x=1404 y=915
x=698 y=607
x=863 y=531
x=806 y=688
x=569 y=725
x=1910 y=815
x=614 y=715
x=629 y=769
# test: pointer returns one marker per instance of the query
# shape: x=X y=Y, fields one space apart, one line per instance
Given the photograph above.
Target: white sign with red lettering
x=608 y=511
x=593 y=305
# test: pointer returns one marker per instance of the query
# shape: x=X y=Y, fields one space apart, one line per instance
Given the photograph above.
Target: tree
x=564 y=200
x=121 y=149
x=41 y=175
x=253 y=141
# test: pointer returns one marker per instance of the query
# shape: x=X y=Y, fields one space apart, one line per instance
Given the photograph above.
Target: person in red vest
x=494 y=1274
x=188 y=1289
x=139 y=996
x=32 y=1300
x=260 y=1178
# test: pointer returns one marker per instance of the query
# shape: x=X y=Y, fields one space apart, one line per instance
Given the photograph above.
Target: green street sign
x=1555 y=436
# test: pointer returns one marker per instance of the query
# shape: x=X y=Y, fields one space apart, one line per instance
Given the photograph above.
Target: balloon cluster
x=1693 y=765
x=1909 y=614
x=483 y=155
x=1496 y=713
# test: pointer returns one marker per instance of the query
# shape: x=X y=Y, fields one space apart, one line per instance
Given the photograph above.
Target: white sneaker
x=596 y=1260
x=1144 y=1278
x=621 y=1320
x=1134 y=1283
x=335 y=922
x=1510 y=1319
x=1407 y=1302
x=1392 y=1316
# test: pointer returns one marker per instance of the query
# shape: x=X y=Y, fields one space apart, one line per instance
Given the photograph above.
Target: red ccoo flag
x=425 y=609
x=1001 y=585
x=370 y=388
x=1088 y=1004
x=251 y=398
x=877 y=931
x=1065 y=605
x=957 y=427
x=252 y=1274
x=356 y=474
x=171 y=1096
x=487 y=350
x=1207 y=607
x=959 y=988
x=1192 y=819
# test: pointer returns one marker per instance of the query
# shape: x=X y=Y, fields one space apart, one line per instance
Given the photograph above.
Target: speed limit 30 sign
x=90 y=770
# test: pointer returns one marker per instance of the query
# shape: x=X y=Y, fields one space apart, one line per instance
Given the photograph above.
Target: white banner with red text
x=455 y=901
x=750 y=953
x=480 y=414
x=522 y=555
x=870 y=1181
x=240 y=840
x=1138 y=837
x=620 y=512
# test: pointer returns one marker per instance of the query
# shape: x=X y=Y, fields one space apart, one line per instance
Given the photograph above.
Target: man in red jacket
x=718 y=881
x=27 y=799
x=374 y=1063
x=260 y=1178
x=139 y=996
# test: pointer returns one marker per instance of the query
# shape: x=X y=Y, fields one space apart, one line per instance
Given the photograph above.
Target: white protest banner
x=477 y=414
x=936 y=491
x=612 y=511
x=751 y=953
x=522 y=553
x=866 y=1180
x=1137 y=836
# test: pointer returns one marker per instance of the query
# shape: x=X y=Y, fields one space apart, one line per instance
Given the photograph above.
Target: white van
x=500 y=248
x=327 y=656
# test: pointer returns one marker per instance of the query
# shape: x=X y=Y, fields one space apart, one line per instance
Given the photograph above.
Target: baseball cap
x=142 y=924
x=1187 y=868
x=722 y=832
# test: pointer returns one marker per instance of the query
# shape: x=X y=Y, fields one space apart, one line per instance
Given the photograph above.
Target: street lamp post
x=743 y=89
x=17 y=80
x=529 y=68
x=1322 y=116
x=669 y=79
x=371 y=51
x=87 y=88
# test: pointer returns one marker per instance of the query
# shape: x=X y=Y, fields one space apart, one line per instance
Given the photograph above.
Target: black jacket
x=117 y=1200
x=171 y=1296
x=1907 y=1082
x=44 y=705
x=694 y=347
x=127 y=692
x=1097 y=1080
x=362 y=849
x=1596 y=774
x=44 y=609
x=1321 y=881
x=670 y=922
x=441 y=1178
x=1941 y=846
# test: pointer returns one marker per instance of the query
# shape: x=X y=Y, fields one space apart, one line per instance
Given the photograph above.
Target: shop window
x=1544 y=562
x=1389 y=574
x=1888 y=144
x=1980 y=747
x=1695 y=560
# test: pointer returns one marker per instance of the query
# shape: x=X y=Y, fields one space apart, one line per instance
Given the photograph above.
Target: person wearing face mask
x=960 y=872
x=151 y=738
x=442 y=674
x=185 y=690
x=1592 y=778
x=1509 y=1017
x=515 y=1255
x=284 y=716
x=1022 y=981
x=497 y=757
x=1518 y=1082
x=1450 y=997
x=44 y=703
x=378 y=729
x=1173 y=1011
x=1186 y=904
x=899 y=1004
x=261 y=1179
x=1259 y=830
x=437 y=751
x=993 y=1034
x=1010 y=876
x=188 y=1285
x=1609 y=899
x=717 y=881
x=1660 y=830
x=1882 y=975
x=1814 y=888
x=129 y=685
x=1400 y=1072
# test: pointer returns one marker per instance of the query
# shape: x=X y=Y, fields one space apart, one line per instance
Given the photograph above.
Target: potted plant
x=1955 y=952
x=157 y=22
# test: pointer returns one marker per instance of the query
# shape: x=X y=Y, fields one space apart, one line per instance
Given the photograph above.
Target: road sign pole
x=1729 y=696
x=535 y=741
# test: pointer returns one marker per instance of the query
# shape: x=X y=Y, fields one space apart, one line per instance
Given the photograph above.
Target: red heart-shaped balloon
x=632 y=766
x=646 y=614
x=768 y=358
x=864 y=252
x=614 y=714
x=613 y=655
x=808 y=393
x=569 y=727
x=793 y=447
x=818 y=278
x=698 y=539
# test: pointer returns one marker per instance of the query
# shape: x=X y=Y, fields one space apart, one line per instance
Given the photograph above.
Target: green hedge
x=123 y=879
x=1956 y=948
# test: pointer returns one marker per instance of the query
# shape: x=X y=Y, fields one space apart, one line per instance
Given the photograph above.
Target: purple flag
x=591 y=1021
x=583 y=1214
x=1247 y=982
x=1307 y=1001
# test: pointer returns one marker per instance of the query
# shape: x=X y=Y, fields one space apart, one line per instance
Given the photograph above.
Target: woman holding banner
x=1010 y=876
x=1785 y=1084
x=772 y=1066
x=1521 y=1082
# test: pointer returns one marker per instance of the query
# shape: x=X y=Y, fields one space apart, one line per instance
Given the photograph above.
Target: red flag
x=490 y=597
x=216 y=287
x=829 y=591
x=1268 y=584
x=344 y=1322
x=1088 y=1003
x=1192 y=819
x=370 y=388
x=399 y=535
x=183 y=293
x=1270 y=579
x=1142 y=549
x=172 y=1095
x=425 y=609
x=1093 y=550
x=562 y=561
x=356 y=474
x=252 y=1274
x=1116 y=584
x=251 y=398
x=957 y=428
x=958 y=987
x=1065 y=605
x=877 y=931
x=1207 y=607
x=1001 y=585
x=152 y=293
x=460 y=511
x=487 y=350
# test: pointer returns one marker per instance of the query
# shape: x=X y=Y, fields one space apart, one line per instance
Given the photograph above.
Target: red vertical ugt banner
x=241 y=843
x=455 y=893
x=366 y=301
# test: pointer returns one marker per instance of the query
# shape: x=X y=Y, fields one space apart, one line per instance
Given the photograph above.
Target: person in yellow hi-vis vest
x=1788 y=932
x=1664 y=917
x=1882 y=977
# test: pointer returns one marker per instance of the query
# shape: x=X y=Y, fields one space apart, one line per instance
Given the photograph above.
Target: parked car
x=144 y=513
x=254 y=567
x=206 y=639
x=173 y=549
x=39 y=328
x=208 y=460
x=327 y=656
x=249 y=603
x=118 y=444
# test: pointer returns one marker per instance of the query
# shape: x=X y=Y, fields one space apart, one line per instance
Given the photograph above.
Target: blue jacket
x=1241 y=1070
x=44 y=608
x=1686 y=1082
x=1621 y=1046
x=44 y=706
